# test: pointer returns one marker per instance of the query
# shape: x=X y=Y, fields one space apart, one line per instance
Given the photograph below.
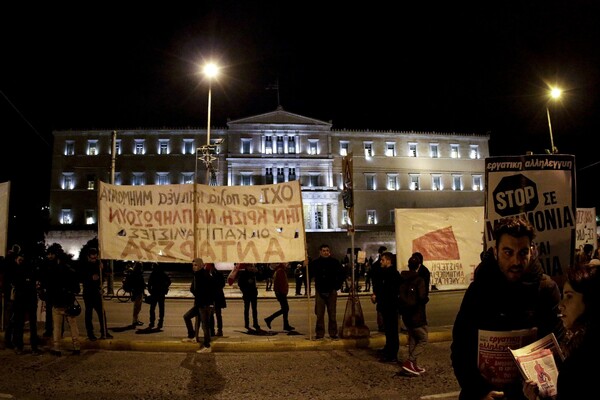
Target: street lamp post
x=210 y=71
x=555 y=93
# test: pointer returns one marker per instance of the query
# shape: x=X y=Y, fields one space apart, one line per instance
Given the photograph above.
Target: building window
x=188 y=146
x=291 y=145
x=392 y=182
x=91 y=182
x=368 y=149
x=70 y=148
x=92 y=147
x=474 y=151
x=246 y=179
x=118 y=147
x=454 y=153
x=90 y=217
x=457 y=183
x=345 y=220
x=268 y=145
x=371 y=217
x=313 y=146
x=292 y=174
x=392 y=217
x=187 y=177
x=280 y=176
x=436 y=182
x=269 y=175
x=279 y=144
x=117 y=178
x=344 y=147
x=68 y=181
x=163 y=146
x=138 y=179
x=414 y=181
x=434 y=150
x=246 y=146
x=370 y=181
x=318 y=217
x=313 y=180
x=412 y=149
x=162 y=178
x=477 y=183
x=390 y=149
x=139 y=147
x=66 y=216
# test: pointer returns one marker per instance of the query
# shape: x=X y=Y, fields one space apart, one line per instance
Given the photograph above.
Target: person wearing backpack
x=412 y=302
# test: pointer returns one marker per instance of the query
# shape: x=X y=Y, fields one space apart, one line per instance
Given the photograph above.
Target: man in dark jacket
x=387 y=304
x=329 y=277
x=508 y=293
x=376 y=280
x=203 y=288
x=91 y=277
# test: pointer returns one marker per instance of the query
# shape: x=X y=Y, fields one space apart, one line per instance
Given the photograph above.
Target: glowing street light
x=555 y=94
x=210 y=71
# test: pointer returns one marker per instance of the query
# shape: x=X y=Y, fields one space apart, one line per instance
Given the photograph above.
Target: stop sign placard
x=515 y=194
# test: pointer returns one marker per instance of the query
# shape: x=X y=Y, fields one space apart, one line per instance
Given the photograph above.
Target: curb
x=237 y=345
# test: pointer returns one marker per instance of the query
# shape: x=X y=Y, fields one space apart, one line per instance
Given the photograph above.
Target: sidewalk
x=169 y=339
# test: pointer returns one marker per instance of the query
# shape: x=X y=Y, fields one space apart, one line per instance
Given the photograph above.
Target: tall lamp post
x=210 y=71
x=555 y=93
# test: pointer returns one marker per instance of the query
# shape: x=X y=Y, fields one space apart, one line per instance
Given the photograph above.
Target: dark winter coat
x=247 y=283
x=62 y=285
x=158 y=282
x=389 y=286
x=203 y=288
x=219 y=280
x=328 y=274
x=493 y=303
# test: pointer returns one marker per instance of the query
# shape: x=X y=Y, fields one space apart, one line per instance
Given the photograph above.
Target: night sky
x=432 y=67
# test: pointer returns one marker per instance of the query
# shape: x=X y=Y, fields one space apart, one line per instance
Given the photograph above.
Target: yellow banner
x=250 y=224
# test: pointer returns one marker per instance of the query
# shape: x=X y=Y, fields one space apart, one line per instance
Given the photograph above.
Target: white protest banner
x=586 y=228
x=4 y=202
x=540 y=188
x=450 y=239
x=250 y=224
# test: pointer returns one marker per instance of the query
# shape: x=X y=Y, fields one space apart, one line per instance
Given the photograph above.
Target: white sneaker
x=203 y=350
x=188 y=340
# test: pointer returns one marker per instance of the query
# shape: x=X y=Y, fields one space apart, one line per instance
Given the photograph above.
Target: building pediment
x=279 y=117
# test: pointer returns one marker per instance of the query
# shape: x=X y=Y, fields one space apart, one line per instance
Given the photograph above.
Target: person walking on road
x=203 y=288
x=281 y=288
x=329 y=278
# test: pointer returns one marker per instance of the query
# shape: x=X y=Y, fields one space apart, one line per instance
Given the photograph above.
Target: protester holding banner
x=508 y=293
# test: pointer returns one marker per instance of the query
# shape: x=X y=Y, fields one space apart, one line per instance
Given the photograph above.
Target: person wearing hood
x=509 y=292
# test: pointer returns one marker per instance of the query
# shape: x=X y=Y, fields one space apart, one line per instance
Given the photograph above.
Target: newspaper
x=537 y=363
x=495 y=362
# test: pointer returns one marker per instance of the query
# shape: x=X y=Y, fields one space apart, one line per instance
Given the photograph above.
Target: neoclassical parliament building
x=391 y=170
